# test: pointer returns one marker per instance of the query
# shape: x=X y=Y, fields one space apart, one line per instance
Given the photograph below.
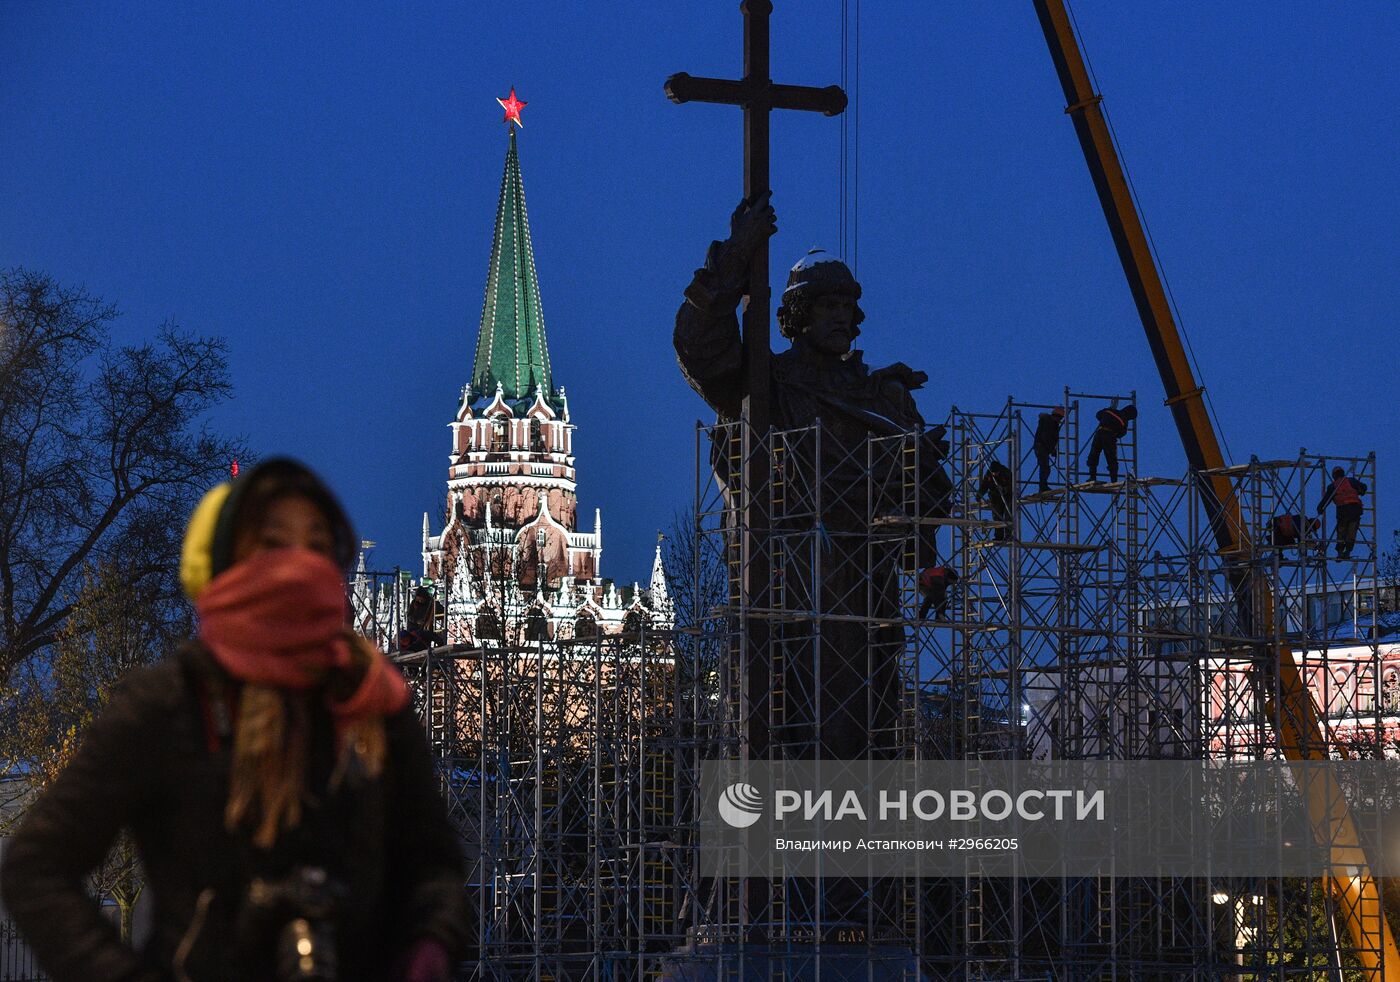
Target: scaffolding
x=1096 y=620
x=557 y=759
x=1327 y=611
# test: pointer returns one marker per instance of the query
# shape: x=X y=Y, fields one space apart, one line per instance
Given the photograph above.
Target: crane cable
x=1151 y=243
x=849 y=164
x=845 y=140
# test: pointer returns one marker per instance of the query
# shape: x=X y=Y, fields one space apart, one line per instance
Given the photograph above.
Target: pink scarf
x=277 y=619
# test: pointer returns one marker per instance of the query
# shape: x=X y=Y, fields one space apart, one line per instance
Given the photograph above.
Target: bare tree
x=1388 y=576
x=111 y=629
x=102 y=453
x=695 y=571
x=698 y=578
x=100 y=447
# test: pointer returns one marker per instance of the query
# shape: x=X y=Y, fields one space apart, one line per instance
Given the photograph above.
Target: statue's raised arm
x=707 y=328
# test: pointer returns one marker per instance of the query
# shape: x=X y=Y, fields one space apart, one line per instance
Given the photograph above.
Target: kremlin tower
x=510 y=561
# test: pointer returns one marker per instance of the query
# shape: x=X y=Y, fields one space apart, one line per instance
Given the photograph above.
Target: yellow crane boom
x=1294 y=714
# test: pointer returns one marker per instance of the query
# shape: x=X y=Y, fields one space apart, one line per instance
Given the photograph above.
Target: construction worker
x=998 y=487
x=1113 y=426
x=1047 y=443
x=934 y=582
x=1344 y=492
x=424 y=616
x=937 y=489
x=1289 y=530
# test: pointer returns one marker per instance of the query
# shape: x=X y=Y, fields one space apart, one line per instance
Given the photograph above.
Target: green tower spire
x=511 y=347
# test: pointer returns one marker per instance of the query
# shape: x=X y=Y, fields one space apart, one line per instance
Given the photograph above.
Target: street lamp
x=1241 y=932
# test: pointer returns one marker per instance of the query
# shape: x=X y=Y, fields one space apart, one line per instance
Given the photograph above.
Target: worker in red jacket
x=1113 y=426
x=1345 y=493
x=934 y=582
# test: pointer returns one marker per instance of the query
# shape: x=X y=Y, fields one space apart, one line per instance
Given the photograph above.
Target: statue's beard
x=825 y=352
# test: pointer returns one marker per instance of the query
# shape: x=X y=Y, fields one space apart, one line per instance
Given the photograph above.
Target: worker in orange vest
x=1345 y=493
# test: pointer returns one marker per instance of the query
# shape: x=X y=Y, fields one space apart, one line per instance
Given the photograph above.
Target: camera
x=293 y=919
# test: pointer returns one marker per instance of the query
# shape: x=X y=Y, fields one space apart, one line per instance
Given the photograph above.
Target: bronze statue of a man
x=839 y=669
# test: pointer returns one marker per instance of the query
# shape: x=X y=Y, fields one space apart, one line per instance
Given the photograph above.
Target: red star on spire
x=512 y=106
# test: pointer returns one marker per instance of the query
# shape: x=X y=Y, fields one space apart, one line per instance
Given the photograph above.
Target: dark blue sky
x=317 y=183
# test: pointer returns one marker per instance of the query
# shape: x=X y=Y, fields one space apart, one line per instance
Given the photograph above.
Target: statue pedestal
x=716 y=961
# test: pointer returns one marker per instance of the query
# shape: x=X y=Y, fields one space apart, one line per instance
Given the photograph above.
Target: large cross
x=758 y=96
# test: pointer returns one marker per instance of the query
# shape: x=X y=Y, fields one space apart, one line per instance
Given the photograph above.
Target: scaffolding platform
x=882 y=521
x=1063 y=546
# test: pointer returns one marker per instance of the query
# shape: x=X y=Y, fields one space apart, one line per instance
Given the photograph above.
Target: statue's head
x=821 y=298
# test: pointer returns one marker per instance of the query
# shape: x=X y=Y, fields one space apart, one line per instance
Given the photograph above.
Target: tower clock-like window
x=500 y=440
x=536 y=435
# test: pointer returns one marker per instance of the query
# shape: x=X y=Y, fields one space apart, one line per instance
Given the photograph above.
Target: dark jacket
x=1047 y=432
x=156 y=763
x=1114 y=422
x=937 y=577
x=996 y=486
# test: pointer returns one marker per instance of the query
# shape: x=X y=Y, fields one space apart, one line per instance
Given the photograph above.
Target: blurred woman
x=272 y=776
